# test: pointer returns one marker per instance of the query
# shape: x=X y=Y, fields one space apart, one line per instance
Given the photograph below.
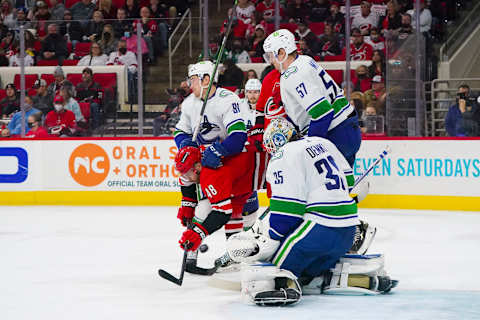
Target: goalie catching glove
x=192 y=238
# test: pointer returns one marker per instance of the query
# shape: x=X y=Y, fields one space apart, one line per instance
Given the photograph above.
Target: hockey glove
x=187 y=210
x=192 y=238
x=255 y=138
x=212 y=156
x=187 y=142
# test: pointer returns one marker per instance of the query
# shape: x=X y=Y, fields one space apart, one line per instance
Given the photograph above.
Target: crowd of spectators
x=378 y=30
x=54 y=28
x=80 y=32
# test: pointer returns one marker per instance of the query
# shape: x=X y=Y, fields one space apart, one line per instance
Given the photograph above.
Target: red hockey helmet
x=186 y=158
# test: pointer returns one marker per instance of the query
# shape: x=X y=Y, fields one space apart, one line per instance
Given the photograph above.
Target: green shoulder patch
x=277 y=155
x=225 y=93
x=290 y=71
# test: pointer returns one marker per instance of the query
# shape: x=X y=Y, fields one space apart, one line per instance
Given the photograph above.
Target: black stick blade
x=167 y=276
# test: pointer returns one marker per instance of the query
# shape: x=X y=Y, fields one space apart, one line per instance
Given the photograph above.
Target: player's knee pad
x=358 y=275
x=249 y=247
x=267 y=285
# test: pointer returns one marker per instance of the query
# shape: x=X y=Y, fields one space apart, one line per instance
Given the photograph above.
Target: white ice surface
x=101 y=263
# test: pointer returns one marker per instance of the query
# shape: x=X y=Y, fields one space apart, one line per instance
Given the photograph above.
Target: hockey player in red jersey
x=226 y=188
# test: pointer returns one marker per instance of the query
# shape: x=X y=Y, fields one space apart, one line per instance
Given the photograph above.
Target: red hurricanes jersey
x=270 y=101
x=364 y=52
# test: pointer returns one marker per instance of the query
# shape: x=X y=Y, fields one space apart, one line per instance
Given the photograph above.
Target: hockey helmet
x=280 y=39
x=202 y=68
x=186 y=159
x=253 y=85
x=277 y=134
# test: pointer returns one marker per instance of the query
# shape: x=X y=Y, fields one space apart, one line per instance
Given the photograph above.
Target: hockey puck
x=203 y=248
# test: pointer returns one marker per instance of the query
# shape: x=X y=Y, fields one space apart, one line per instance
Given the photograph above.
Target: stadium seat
x=289 y=26
x=317 y=27
x=32 y=92
x=70 y=3
x=43 y=63
x=257 y=60
x=337 y=76
x=3 y=94
x=82 y=49
x=74 y=78
x=85 y=108
x=232 y=88
x=70 y=62
x=334 y=58
x=118 y=3
x=29 y=80
x=49 y=78
x=37 y=45
x=106 y=80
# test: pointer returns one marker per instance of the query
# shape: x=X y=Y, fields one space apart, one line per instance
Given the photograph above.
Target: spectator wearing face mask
x=71 y=30
x=361 y=81
x=60 y=82
x=238 y=53
x=107 y=42
x=60 y=122
x=15 y=125
x=35 y=126
x=54 y=46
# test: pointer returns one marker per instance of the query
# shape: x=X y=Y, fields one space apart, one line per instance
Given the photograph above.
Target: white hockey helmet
x=202 y=68
x=253 y=85
x=277 y=134
x=280 y=39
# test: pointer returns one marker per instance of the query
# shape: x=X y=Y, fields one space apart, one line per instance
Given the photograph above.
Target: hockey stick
x=220 y=54
x=219 y=261
x=372 y=166
x=167 y=276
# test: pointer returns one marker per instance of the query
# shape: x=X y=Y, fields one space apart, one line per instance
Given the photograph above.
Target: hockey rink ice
x=101 y=263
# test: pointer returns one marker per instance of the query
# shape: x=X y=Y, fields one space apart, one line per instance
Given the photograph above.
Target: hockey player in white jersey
x=222 y=126
x=312 y=100
x=311 y=226
x=252 y=93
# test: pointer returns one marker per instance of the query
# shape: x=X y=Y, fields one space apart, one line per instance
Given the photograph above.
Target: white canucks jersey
x=310 y=179
x=309 y=93
x=248 y=114
x=223 y=116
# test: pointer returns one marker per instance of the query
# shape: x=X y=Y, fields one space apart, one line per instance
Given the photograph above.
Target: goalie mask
x=277 y=134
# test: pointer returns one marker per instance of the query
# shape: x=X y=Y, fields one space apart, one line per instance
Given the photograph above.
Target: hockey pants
x=312 y=249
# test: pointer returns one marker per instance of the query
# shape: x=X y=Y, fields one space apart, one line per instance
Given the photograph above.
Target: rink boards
x=439 y=173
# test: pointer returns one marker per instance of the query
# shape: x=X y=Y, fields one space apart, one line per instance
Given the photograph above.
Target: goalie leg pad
x=250 y=247
x=359 y=275
x=266 y=285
